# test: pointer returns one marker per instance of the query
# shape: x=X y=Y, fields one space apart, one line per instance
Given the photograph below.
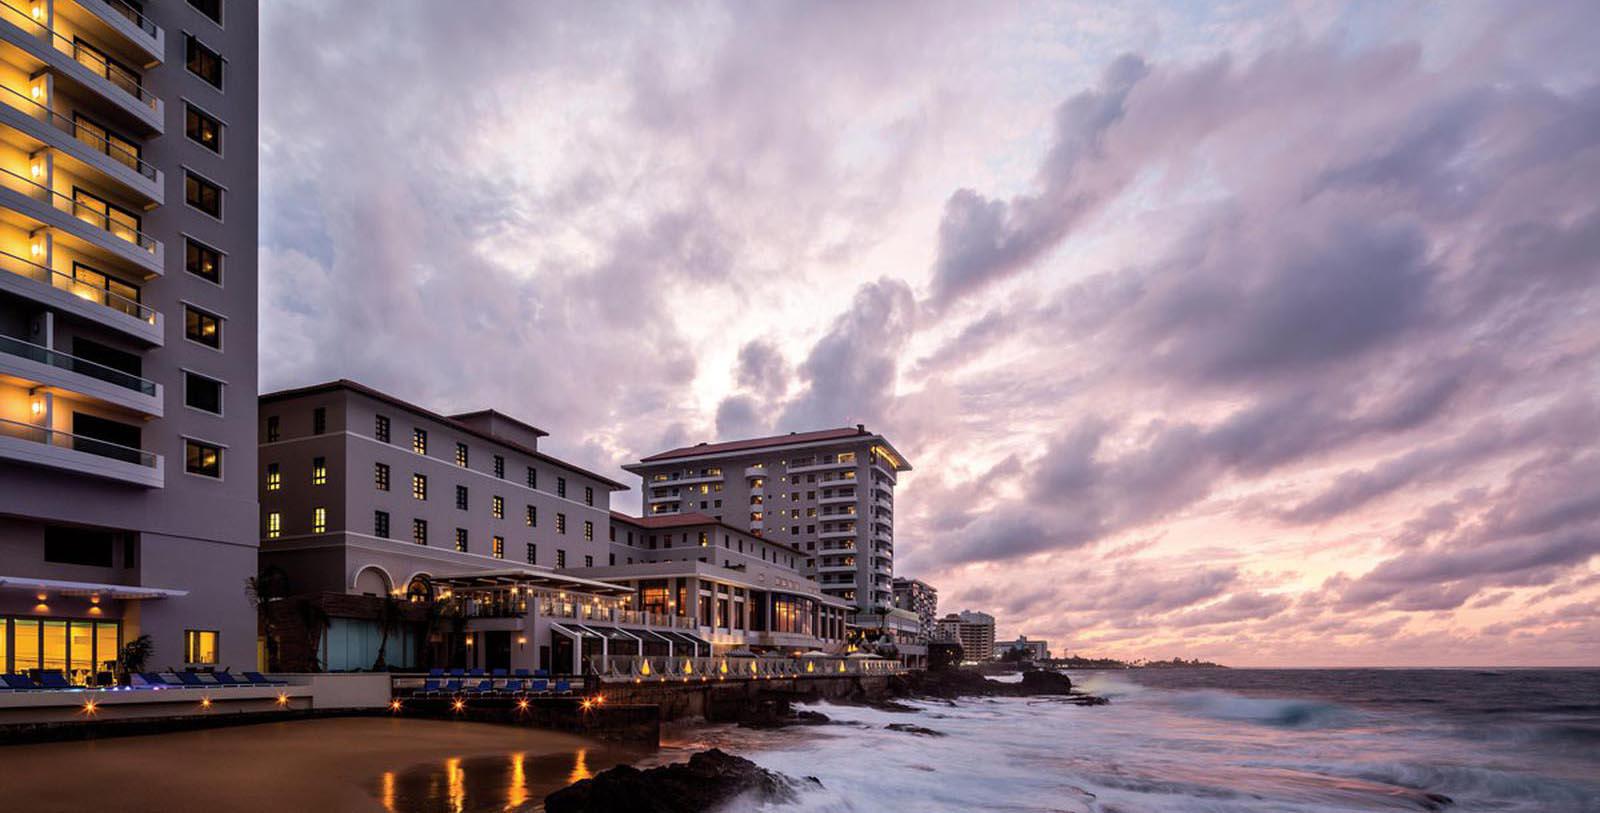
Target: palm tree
x=314 y=620
x=135 y=654
x=389 y=615
x=268 y=586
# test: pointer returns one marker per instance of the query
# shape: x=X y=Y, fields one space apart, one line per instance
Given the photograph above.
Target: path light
x=458 y=704
x=283 y=699
x=394 y=705
x=205 y=702
x=90 y=706
x=599 y=700
x=587 y=704
x=522 y=704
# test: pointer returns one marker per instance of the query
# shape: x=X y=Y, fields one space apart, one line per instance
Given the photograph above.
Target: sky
x=1259 y=332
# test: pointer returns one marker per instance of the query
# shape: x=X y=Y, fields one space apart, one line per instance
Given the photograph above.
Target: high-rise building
x=127 y=332
x=829 y=495
x=921 y=598
x=973 y=630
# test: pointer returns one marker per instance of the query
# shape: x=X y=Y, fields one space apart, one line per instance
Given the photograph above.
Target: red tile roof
x=757 y=443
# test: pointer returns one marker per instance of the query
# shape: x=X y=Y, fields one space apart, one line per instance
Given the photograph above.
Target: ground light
x=394 y=705
x=90 y=706
x=458 y=704
x=283 y=699
x=205 y=702
x=522 y=704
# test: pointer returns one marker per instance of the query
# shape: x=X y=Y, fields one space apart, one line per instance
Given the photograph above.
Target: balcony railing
x=89 y=293
x=78 y=443
x=65 y=124
x=639 y=669
x=134 y=16
x=13 y=346
x=113 y=74
x=99 y=220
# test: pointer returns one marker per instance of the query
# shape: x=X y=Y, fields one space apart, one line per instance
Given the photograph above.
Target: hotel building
x=504 y=554
x=921 y=598
x=828 y=495
x=973 y=630
x=127 y=332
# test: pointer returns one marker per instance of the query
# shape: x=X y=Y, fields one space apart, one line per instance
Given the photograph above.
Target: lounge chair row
x=433 y=687
x=202 y=680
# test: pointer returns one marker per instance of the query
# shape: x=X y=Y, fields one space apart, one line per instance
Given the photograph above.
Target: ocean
x=1210 y=740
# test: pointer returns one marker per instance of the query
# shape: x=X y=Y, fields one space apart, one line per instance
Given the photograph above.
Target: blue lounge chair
x=522 y=673
x=452 y=686
x=191 y=680
x=544 y=673
x=19 y=683
x=436 y=672
x=159 y=681
x=563 y=687
x=484 y=686
x=225 y=679
x=258 y=679
x=498 y=673
x=458 y=673
x=52 y=679
x=429 y=686
x=477 y=673
x=514 y=686
x=539 y=686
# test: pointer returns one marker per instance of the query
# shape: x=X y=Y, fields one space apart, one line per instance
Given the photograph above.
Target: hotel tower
x=828 y=495
x=127 y=332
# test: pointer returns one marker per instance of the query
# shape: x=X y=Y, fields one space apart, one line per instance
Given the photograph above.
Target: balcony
x=837 y=464
x=80 y=147
x=882 y=533
x=97 y=231
x=845 y=534
x=837 y=499
x=119 y=22
x=837 y=546
x=836 y=567
x=52 y=368
x=62 y=292
x=666 y=498
x=81 y=66
x=755 y=471
x=41 y=446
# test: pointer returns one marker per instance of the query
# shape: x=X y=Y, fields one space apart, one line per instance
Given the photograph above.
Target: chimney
x=861 y=429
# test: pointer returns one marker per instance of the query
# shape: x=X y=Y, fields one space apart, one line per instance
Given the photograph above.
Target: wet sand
x=357 y=764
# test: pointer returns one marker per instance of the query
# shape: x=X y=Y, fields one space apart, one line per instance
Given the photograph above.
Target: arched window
x=420 y=588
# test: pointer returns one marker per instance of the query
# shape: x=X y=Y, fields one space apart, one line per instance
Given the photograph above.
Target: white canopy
x=64 y=588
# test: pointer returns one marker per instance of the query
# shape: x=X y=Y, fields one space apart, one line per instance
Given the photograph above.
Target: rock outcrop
x=709 y=779
x=950 y=684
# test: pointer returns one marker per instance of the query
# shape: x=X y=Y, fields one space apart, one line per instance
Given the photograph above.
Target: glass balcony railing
x=89 y=293
x=13 y=346
x=98 y=142
x=102 y=220
x=118 y=76
x=78 y=443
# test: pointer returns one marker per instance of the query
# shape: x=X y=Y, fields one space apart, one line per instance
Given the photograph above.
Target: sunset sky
x=1267 y=333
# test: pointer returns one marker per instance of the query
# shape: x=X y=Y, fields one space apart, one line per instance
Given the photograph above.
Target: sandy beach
x=356 y=764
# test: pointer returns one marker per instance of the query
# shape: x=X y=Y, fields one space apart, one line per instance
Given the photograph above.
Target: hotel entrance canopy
x=531 y=579
x=88 y=589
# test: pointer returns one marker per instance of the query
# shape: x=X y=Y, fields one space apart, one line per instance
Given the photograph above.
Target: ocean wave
x=1278 y=712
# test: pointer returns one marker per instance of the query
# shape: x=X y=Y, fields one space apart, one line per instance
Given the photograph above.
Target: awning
x=659 y=637
x=575 y=630
x=681 y=640
x=531 y=578
x=91 y=589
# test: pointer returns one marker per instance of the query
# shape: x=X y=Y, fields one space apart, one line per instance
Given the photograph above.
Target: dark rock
x=777 y=712
x=709 y=779
x=914 y=729
x=1039 y=681
x=955 y=683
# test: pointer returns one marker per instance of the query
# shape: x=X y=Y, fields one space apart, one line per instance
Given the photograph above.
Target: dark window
x=319 y=420
x=211 y=8
x=533 y=554
x=380 y=476
x=461 y=539
x=380 y=430
x=613 y=560
x=272 y=428
x=380 y=524
x=533 y=478
x=202 y=327
x=500 y=467
x=419 y=531
x=79 y=546
x=561 y=486
x=588 y=561
x=588 y=495
x=461 y=497
x=204 y=394
x=532 y=517
x=202 y=194
x=202 y=261
x=202 y=129
x=561 y=558
x=202 y=458
x=203 y=62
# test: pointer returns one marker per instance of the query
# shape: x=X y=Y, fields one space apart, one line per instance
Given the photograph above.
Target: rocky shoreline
x=711 y=778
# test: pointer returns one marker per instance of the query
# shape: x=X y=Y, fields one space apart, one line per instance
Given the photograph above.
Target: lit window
x=533 y=554
x=274 y=525
x=499 y=546
x=561 y=523
x=419 y=486
x=202 y=129
x=319 y=520
x=202 y=327
x=202 y=261
x=461 y=455
x=531 y=517
x=274 y=477
x=419 y=531
x=200 y=646
x=203 y=62
x=497 y=506
x=419 y=441
x=461 y=539
x=202 y=458
x=319 y=471
x=588 y=530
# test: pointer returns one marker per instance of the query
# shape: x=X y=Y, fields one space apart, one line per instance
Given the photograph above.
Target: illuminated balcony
x=82 y=150
x=62 y=292
x=41 y=446
x=86 y=224
x=37 y=366
x=81 y=60
x=837 y=567
x=115 y=23
x=666 y=498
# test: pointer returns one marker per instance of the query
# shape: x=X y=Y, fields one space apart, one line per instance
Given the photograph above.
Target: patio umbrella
x=741 y=653
x=861 y=655
x=815 y=653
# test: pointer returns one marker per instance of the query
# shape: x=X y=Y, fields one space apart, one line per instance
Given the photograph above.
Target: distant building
x=973 y=630
x=1037 y=650
x=921 y=598
x=827 y=494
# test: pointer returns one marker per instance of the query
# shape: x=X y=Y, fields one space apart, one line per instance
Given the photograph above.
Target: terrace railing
x=662 y=669
x=77 y=443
